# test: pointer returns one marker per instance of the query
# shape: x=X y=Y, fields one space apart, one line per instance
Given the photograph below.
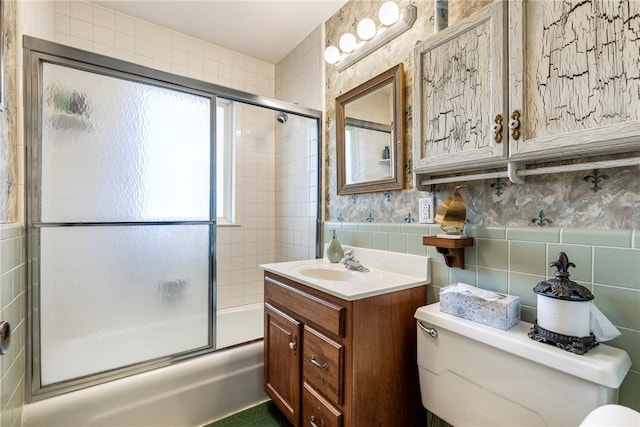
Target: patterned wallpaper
x=603 y=199
x=8 y=158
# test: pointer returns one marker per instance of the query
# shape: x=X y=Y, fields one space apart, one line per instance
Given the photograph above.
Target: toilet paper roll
x=564 y=317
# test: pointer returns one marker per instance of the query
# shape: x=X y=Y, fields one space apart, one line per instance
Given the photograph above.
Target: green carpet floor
x=263 y=415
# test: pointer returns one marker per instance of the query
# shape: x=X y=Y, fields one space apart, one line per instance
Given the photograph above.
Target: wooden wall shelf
x=451 y=249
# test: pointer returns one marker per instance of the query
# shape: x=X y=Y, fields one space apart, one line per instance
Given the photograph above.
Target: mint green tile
x=468 y=275
x=414 y=245
x=422 y=229
x=534 y=234
x=522 y=285
x=491 y=253
x=433 y=253
x=528 y=313
x=620 y=305
x=482 y=232
x=527 y=257
x=365 y=239
x=493 y=280
x=350 y=225
x=439 y=273
x=630 y=390
x=434 y=229
x=381 y=241
x=629 y=341
x=390 y=228
x=636 y=239
x=577 y=254
x=618 y=238
x=470 y=256
x=9 y=230
x=433 y=294
x=347 y=237
x=398 y=242
x=368 y=227
x=619 y=267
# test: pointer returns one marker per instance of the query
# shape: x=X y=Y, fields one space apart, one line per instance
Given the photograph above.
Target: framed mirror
x=370 y=135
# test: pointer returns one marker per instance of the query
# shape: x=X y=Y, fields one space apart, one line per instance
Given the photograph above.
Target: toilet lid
x=612 y=415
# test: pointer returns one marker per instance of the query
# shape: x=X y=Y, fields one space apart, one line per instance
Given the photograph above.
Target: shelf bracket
x=451 y=249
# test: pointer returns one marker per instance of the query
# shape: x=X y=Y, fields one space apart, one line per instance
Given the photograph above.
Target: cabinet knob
x=312 y=421
x=293 y=345
x=496 y=128
x=514 y=125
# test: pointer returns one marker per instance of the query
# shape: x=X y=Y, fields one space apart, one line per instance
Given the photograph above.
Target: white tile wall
x=242 y=248
x=101 y=30
x=12 y=303
x=298 y=80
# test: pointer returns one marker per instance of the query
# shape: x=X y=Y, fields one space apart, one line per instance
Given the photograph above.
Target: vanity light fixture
x=393 y=22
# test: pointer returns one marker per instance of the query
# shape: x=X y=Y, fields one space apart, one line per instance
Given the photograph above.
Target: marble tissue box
x=485 y=307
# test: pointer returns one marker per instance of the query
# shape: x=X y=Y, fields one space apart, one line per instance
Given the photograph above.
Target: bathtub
x=189 y=393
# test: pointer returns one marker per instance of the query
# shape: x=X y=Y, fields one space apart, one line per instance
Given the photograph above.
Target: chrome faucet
x=351 y=263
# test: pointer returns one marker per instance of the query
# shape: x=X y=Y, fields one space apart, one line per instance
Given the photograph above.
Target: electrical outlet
x=425 y=210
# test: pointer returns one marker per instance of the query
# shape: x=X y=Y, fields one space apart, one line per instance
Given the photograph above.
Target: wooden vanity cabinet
x=337 y=363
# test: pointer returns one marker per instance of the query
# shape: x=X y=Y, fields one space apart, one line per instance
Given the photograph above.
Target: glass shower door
x=122 y=216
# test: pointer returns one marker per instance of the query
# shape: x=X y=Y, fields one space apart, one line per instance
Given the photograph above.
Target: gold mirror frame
x=394 y=77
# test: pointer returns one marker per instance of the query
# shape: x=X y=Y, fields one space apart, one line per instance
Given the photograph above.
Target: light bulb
x=366 y=29
x=348 y=42
x=331 y=54
x=389 y=13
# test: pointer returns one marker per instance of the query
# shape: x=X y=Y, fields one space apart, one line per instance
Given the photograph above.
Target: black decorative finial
x=562 y=263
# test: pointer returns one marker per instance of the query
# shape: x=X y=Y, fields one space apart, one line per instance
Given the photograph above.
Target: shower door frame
x=37 y=51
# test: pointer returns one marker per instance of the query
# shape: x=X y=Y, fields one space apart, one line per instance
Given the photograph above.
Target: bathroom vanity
x=342 y=352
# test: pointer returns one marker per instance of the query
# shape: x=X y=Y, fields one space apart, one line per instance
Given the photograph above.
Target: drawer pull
x=315 y=363
x=312 y=421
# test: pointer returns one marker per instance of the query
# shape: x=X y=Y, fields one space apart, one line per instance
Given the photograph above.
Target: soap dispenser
x=334 y=250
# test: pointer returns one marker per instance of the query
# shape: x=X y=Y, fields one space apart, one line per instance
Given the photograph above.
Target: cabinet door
x=574 y=77
x=282 y=361
x=459 y=90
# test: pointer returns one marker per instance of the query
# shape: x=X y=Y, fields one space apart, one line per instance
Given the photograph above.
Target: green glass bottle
x=334 y=250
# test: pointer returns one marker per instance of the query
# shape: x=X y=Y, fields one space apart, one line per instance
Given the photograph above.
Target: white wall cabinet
x=459 y=89
x=574 y=75
x=563 y=77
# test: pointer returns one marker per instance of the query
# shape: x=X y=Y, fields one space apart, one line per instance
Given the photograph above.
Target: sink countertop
x=390 y=272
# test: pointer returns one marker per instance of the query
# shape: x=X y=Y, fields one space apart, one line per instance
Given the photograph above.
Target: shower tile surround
x=12 y=303
x=513 y=260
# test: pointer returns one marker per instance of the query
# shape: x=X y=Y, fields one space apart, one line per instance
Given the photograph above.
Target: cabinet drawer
x=316 y=411
x=316 y=310
x=322 y=364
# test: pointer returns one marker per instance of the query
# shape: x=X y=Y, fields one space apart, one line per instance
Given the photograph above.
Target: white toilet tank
x=474 y=375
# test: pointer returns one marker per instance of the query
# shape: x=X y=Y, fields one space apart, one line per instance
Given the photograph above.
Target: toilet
x=473 y=375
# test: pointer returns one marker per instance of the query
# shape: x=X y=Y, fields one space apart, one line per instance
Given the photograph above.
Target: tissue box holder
x=502 y=314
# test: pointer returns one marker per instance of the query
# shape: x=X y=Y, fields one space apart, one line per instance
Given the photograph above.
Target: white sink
x=325 y=272
x=389 y=271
